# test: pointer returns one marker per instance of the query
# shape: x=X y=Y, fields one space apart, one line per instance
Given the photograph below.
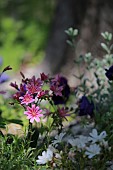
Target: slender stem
x=29 y=135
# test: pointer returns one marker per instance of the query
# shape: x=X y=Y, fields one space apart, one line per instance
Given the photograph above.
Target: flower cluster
x=61 y=90
x=32 y=91
x=91 y=145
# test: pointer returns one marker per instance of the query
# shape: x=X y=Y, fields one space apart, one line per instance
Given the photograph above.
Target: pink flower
x=26 y=99
x=57 y=90
x=34 y=85
x=63 y=112
x=42 y=93
x=56 y=80
x=33 y=113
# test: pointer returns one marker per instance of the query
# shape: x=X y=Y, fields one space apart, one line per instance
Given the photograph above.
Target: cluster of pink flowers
x=31 y=92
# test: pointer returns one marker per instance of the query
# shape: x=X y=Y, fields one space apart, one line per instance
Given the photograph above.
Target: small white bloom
x=94 y=137
x=58 y=138
x=92 y=150
x=79 y=142
x=46 y=157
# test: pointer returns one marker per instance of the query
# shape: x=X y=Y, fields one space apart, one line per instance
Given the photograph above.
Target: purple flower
x=34 y=85
x=21 y=90
x=109 y=73
x=57 y=90
x=86 y=107
x=63 y=112
x=3 y=78
x=61 y=82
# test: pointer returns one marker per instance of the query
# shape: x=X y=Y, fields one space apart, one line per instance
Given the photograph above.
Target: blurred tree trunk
x=90 y=17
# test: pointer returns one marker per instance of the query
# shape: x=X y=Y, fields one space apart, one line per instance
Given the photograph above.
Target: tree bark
x=64 y=18
x=90 y=17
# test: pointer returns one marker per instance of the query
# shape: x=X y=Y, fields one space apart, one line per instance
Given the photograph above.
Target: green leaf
x=111 y=47
x=104 y=46
x=75 y=32
x=15 y=121
x=70 y=43
x=110 y=37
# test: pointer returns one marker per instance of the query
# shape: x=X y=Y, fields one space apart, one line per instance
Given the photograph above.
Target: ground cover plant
x=48 y=104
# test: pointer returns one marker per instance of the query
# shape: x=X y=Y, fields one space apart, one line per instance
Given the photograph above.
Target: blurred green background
x=24 y=27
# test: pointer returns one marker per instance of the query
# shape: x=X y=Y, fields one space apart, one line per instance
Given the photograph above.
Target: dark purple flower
x=21 y=90
x=15 y=86
x=61 y=82
x=3 y=78
x=86 y=107
x=63 y=112
x=109 y=73
x=44 y=76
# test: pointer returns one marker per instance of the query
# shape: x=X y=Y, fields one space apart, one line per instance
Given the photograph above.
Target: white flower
x=79 y=142
x=92 y=150
x=94 y=137
x=46 y=157
x=58 y=138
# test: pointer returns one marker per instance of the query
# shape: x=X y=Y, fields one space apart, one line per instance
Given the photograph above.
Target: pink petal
x=29 y=116
x=32 y=119
x=39 y=111
x=37 y=119
x=26 y=112
x=40 y=115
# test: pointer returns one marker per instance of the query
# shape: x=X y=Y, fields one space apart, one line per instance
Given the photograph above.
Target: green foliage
x=23 y=30
x=10 y=113
x=19 y=41
x=72 y=33
x=15 y=154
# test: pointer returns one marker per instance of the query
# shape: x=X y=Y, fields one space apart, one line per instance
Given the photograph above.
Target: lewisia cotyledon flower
x=63 y=112
x=26 y=99
x=44 y=77
x=33 y=113
x=94 y=137
x=61 y=90
x=92 y=150
x=109 y=73
x=34 y=85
